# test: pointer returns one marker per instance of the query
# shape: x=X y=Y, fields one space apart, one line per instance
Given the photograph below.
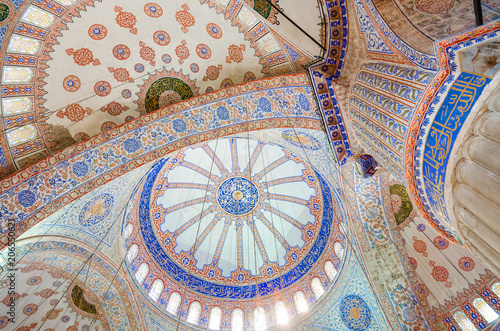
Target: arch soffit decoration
x=135 y=144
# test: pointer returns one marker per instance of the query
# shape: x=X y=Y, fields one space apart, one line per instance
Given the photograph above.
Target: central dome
x=236 y=218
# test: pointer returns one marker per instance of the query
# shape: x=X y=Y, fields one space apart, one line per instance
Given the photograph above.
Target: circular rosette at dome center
x=236 y=218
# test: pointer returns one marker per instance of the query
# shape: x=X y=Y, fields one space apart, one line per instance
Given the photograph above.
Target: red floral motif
x=441 y=242
x=161 y=38
x=102 y=88
x=422 y=289
x=466 y=263
x=81 y=136
x=74 y=112
x=52 y=314
x=126 y=20
x=420 y=247
x=71 y=83
x=30 y=268
x=203 y=51
x=212 y=72
x=184 y=18
x=440 y=274
x=235 y=53
x=433 y=6
x=83 y=56
x=107 y=126
x=46 y=293
x=147 y=53
x=182 y=52
x=12 y=297
x=249 y=76
x=114 y=108
x=98 y=31
x=214 y=30
x=121 y=52
x=35 y=280
x=153 y=10
x=121 y=74
x=4 y=320
x=26 y=327
x=413 y=263
x=226 y=83
x=30 y=309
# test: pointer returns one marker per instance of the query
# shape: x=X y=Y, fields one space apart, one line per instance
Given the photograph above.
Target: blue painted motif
x=355 y=313
x=96 y=210
x=374 y=43
x=303 y=102
x=231 y=291
x=80 y=168
x=131 y=145
x=293 y=54
x=442 y=134
x=264 y=105
x=237 y=196
x=26 y=198
x=222 y=113
x=179 y=125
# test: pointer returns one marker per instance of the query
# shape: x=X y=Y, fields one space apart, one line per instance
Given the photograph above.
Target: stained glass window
x=21 y=135
x=237 y=320
x=259 y=319
x=281 y=313
x=65 y=2
x=132 y=253
x=300 y=302
x=339 y=250
x=141 y=273
x=215 y=318
x=155 y=291
x=464 y=322
x=13 y=106
x=223 y=2
x=317 y=288
x=269 y=44
x=36 y=16
x=496 y=288
x=194 y=313
x=21 y=44
x=330 y=270
x=128 y=230
x=485 y=310
x=247 y=17
x=17 y=75
x=173 y=303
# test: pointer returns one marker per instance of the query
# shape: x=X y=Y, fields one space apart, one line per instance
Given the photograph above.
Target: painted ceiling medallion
x=163 y=88
x=205 y=209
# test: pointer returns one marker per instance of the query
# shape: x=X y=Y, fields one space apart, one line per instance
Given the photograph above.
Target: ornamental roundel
x=235 y=53
x=194 y=67
x=35 y=280
x=413 y=263
x=153 y=10
x=126 y=20
x=441 y=242
x=71 y=83
x=139 y=67
x=182 y=51
x=214 y=30
x=7 y=10
x=121 y=52
x=147 y=53
x=355 y=313
x=212 y=72
x=243 y=206
x=121 y=74
x=166 y=58
x=184 y=18
x=108 y=125
x=98 y=31
x=249 y=76
x=83 y=56
x=226 y=82
x=466 y=263
x=74 y=112
x=203 y=51
x=96 y=210
x=114 y=108
x=30 y=309
x=126 y=94
x=161 y=38
x=102 y=88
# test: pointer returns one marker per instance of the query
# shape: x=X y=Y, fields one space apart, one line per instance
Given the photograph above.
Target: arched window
x=21 y=44
x=215 y=318
x=36 y=16
x=237 y=320
x=141 y=273
x=259 y=319
x=485 y=310
x=174 y=302
x=128 y=230
x=65 y=2
x=11 y=106
x=496 y=289
x=21 y=135
x=330 y=271
x=281 y=313
x=155 y=291
x=317 y=288
x=194 y=313
x=268 y=43
x=339 y=250
x=246 y=16
x=132 y=253
x=300 y=302
x=17 y=75
x=464 y=322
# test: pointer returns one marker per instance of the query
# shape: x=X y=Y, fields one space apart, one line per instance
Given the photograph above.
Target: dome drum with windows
x=232 y=221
